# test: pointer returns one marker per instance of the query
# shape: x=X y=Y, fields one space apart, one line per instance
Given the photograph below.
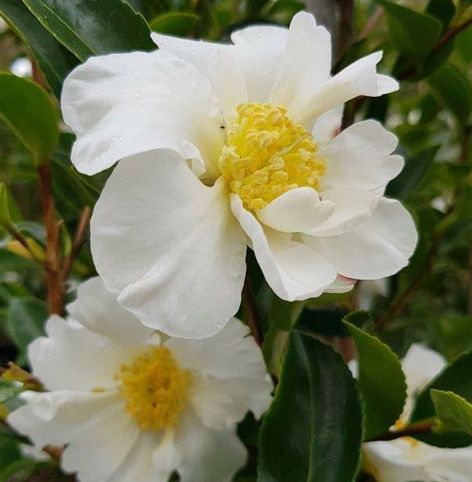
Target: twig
x=450 y=34
x=77 y=243
x=410 y=431
x=55 y=288
x=373 y=21
x=344 y=31
x=250 y=309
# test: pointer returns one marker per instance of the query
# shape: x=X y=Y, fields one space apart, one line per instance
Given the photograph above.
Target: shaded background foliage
x=427 y=46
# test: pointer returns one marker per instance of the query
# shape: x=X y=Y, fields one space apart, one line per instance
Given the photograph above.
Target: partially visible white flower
x=406 y=459
x=222 y=147
x=22 y=67
x=132 y=408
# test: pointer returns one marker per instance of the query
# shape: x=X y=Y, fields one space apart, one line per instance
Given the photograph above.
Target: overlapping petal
x=360 y=157
x=378 y=247
x=169 y=246
x=292 y=269
x=122 y=104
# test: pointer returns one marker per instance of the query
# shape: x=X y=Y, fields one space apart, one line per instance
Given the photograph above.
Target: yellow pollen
x=266 y=154
x=155 y=388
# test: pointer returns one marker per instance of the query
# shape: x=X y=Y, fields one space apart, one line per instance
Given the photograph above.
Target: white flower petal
x=296 y=211
x=53 y=417
x=73 y=357
x=231 y=353
x=404 y=460
x=138 y=465
x=221 y=403
x=292 y=269
x=306 y=65
x=341 y=285
x=98 y=310
x=169 y=246
x=359 y=78
x=100 y=444
x=352 y=206
x=258 y=51
x=379 y=247
x=261 y=46
x=327 y=125
x=420 y=366
x=360 y=157
x=124 y=104
x=208 y=455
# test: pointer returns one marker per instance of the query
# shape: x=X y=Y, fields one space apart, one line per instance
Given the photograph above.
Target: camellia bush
x=235 y=241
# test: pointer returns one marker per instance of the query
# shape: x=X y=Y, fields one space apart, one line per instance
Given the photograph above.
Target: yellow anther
x=155 y=388
x=266 y=154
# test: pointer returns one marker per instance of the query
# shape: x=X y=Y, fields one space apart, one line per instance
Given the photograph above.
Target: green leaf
x=413 y=33
x=54 y=60
x=5 y=218
x=13 y=262
x=443 y=10
x=457 y=378
x=315 y=420
x=454 y=89
x=455 y=413
x=25 y=322
x=464 y=45
x=180 y=24
x=28 y=111
x=91 y=27
x=381 y=382
x=415 y=169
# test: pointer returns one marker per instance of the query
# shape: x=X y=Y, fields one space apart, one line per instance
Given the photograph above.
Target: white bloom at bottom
x=131 y=407
x=407 y=459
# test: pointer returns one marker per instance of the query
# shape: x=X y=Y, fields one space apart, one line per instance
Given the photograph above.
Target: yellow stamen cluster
x=266 y=154
x=155 y=388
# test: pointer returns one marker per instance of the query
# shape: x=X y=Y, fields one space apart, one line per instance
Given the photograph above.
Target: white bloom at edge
x=132 y=408
x=406 y=459
x=224 y=146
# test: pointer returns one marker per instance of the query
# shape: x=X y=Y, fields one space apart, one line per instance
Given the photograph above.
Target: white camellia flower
x=406 y=459
x=132 y=408
x=228 y=145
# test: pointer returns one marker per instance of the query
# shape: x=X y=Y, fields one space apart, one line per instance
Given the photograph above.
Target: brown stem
x=410 y=431
x=77 y=243
x=344 y=37
x=55 y=288
x=372 y=23
x=250 y=310
x=450 y=34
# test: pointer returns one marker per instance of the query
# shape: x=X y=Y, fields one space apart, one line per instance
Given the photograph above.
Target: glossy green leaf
x=454 y=90
x=180 y=24
x=464 y=45
x=91 y=27
x=54 y=60
x=315 y=421
x=381 y=382
x=443 y=10
x=413 y=33
x=29 y=113
x=25 y=322
x=457 y=378
x=454 y=413
x=415 y=169
x=12 y=262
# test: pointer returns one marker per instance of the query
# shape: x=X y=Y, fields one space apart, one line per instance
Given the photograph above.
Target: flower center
x=156 y=389
x=266 y=154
